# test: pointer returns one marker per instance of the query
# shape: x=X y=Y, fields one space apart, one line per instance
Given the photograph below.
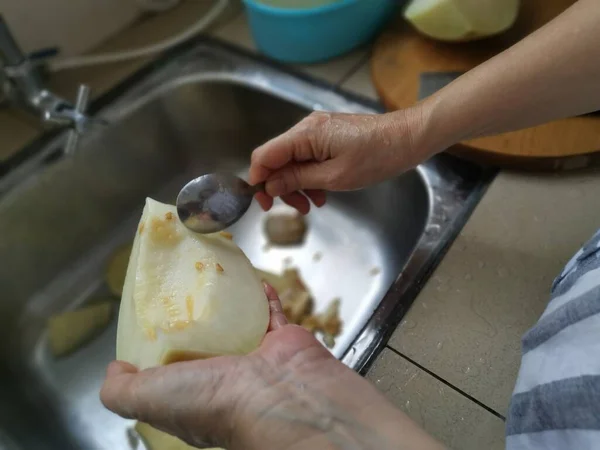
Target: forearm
x=551 y=74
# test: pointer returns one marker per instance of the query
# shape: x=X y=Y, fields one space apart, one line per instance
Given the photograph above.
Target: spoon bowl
x=214 y=201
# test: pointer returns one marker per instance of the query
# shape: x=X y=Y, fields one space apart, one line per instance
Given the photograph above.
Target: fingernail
x=275 y=187
x=116 y=368
x=268 y=289
x=280 y=320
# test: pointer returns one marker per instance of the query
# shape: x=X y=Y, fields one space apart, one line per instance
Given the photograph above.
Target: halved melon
x=462 y=20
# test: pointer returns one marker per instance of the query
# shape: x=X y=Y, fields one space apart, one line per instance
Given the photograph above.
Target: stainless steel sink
x=201 y=108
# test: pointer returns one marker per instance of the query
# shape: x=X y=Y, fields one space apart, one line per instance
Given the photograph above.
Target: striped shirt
x=556 y=401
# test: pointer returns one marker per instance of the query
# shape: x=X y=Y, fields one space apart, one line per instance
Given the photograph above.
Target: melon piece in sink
x=68 y=331
x=462 y=20
x=187 y=295
x=155 y=439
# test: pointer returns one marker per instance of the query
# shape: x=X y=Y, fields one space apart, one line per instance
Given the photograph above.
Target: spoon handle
x=260 y=187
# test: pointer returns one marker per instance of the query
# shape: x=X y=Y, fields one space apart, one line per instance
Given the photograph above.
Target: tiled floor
x=494 y=282
x=447 y=414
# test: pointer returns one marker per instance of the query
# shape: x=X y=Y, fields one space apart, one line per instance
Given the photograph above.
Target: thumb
x=298 y=177
x=180 y=398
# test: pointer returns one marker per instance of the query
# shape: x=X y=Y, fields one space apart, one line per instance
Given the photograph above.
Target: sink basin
x=203 y=107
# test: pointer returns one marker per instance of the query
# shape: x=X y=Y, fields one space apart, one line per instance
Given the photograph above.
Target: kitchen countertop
x=451 y=364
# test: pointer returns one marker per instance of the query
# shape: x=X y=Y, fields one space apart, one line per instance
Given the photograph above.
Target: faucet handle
x=83 y=98
x=81 y=103
x=41 y=55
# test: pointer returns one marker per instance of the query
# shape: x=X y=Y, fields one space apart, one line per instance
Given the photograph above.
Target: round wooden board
x=401 y=55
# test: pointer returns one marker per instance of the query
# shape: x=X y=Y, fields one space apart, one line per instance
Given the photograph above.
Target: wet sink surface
x=202 y=109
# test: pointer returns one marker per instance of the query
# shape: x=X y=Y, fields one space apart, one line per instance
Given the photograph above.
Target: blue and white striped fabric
x=556 y=402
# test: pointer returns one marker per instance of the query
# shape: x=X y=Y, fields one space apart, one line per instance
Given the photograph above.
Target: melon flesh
x=186 y=295
x=462 y=20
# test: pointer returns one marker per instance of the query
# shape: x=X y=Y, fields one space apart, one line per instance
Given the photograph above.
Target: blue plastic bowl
x=310 y=35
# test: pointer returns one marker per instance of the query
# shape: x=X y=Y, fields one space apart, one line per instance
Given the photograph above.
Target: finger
x=264 y=200
x=317 y=196
x=298 y=201
x=151 y=394
x=271 y=156
x=298 y=177
x=280 y=346
x=278 y=318
x=116 y=390
x=293 y=145
x=117 y=368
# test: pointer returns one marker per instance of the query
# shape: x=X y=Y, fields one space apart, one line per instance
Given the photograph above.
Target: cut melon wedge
x=462 y=20
x=186 y=295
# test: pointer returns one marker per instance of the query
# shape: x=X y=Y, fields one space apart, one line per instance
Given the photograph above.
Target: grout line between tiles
x=355 y=68
x=441 y=380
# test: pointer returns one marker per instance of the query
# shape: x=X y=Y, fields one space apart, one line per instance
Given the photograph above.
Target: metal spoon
x=214 y=201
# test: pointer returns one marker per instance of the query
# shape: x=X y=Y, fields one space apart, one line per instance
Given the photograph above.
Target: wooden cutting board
x=401 y=55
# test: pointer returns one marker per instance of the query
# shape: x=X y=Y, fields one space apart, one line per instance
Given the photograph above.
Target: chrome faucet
x=22 y=84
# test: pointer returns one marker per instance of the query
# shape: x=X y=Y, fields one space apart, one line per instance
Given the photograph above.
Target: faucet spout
x=11 y=53
x=22 y=84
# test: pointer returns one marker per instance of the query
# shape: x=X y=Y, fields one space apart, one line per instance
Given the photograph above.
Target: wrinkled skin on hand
x=336 y=152
x=289 y=394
